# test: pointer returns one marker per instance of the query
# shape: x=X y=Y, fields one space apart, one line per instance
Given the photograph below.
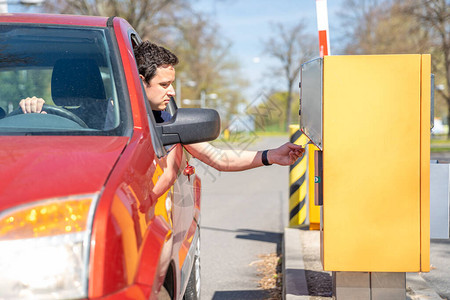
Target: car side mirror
x=190 y=125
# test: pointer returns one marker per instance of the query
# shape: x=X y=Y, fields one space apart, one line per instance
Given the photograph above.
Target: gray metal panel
x=439 y=200
x=311 y=95
x=432 y=102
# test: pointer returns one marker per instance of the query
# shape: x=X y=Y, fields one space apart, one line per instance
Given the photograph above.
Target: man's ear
x=143 y=79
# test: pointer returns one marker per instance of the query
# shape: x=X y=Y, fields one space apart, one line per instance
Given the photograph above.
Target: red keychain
x=189 y=170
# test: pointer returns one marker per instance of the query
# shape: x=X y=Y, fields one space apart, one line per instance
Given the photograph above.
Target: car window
x=160 y=150
x=71 y=69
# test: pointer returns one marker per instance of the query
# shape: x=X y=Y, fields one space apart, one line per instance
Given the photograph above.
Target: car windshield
x=72 y=70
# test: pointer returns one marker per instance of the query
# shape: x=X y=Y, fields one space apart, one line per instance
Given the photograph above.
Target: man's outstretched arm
x=231 y=160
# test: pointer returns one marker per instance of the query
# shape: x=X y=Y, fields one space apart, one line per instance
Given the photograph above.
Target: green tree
x=270 y=113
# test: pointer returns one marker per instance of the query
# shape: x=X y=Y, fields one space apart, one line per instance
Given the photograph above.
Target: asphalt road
x=438 y=278
x=242 y=215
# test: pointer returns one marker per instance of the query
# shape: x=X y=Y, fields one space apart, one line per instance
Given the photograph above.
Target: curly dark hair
x=150 y=56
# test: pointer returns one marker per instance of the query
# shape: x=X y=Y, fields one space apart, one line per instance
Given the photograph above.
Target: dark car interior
x=71 y=70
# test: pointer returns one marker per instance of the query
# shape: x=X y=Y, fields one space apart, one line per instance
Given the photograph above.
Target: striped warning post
x=297 y=182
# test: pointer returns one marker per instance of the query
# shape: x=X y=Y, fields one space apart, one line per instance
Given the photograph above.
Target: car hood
x=41 y=167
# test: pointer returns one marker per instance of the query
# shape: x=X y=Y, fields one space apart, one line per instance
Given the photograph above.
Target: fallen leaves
x=270 y=270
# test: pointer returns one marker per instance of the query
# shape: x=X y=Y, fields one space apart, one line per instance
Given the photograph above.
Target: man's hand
x=286 y=154
x=32 y=105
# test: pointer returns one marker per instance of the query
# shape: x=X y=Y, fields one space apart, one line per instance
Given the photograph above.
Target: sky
x=246 y=23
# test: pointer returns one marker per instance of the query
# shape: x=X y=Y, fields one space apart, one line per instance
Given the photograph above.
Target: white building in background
x=439 y=127
x=242 y=123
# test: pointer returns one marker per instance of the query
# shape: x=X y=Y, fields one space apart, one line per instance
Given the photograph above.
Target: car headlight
x=44 y=248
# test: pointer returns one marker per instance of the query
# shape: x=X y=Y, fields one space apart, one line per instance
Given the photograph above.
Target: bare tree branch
x=291 y=47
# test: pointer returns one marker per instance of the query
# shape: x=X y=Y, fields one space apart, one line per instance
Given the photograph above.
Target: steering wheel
x=54 y=110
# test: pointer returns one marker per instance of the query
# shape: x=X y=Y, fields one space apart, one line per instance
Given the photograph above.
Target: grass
x=271 y=133
x=440 y=143
x=251 y=137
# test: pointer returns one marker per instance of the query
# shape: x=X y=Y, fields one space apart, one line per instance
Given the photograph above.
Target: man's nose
x=171 y=91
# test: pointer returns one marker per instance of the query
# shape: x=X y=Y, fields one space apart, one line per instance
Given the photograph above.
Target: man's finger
x=33 y=106
x=27 y=105
x=294 y=146
x=22 y=106
x=40 y=104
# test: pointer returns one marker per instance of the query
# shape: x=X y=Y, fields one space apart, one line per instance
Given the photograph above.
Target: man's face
x=160 y=89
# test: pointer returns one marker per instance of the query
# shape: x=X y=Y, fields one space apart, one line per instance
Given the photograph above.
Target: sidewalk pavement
x=295 y=281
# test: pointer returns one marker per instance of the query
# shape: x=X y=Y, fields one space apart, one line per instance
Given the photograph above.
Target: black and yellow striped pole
x=298 y=182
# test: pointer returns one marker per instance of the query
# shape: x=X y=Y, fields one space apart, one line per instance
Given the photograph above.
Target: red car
x=97 y=201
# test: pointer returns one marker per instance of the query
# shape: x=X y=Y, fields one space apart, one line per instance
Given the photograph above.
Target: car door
x=178 y=188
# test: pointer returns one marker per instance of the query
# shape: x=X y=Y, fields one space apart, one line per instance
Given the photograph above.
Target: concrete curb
x=294 y=277
x=418 y=289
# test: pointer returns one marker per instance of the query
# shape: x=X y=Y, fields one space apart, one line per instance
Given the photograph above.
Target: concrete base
x=351 y=285
x=369 y=286
x=388 y=286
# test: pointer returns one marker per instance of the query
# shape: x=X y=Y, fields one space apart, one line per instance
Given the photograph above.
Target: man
x=157 y=71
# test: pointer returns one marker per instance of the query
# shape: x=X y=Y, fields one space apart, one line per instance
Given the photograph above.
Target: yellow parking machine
x=370 y=118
